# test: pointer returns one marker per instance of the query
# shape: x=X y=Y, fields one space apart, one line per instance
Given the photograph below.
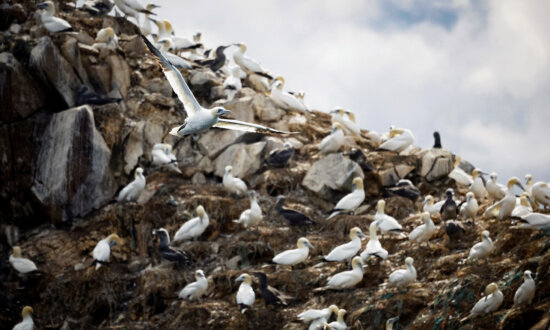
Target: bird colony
x=156 y=181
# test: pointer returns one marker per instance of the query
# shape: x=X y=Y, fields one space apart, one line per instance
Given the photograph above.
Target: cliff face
x=62 y=164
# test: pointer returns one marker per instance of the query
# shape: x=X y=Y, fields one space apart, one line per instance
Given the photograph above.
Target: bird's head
x=163 y=234
x=114 y=239
x=244 y=278
x=493 y=176
x=357 y=183
x=303 y=242
x=219 y=111
x=47 y=6
x=351 y=116
x=514 y=181
x=139 y=172
x=166 y=44
x=524 y=199
x=409 y=261
x=199 y=274
x=357 y=262
x=457 y=161
x=333 y=308
x=528 y=179
x=27 y=310
x=356 y=232
x=228 y=169
x=491 y=288
x=428 y=200
x=380 y=206
x=391 y=322
x=168 y=26
x=17 y=251
x=469 y=195
x=336 y=127
x=280 y=79
x=485 y=234
x=527 y=275
x=197 y=37
x=341 y=314
x=426 y=216
x=449 y=193
x=395 y=131
x=151 y=6
x=200 y=211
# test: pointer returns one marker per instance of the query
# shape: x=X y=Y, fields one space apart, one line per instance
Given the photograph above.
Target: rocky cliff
x=62 y=164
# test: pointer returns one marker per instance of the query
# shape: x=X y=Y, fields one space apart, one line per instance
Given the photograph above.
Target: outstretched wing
x=177 y=82
x=248 y=127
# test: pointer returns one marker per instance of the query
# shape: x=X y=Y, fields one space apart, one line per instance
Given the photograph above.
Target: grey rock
x=246 y=159
x=390 y=176
x=198 y=179
x=213 y=142
x=71 y=53
x=265 y=109
x=120 y=74
x=241 y=109
x=134 y=147
x=204 y=77
x=435 y=163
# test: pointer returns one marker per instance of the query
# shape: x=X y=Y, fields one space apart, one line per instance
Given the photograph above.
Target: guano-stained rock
x=246 y=159
x=435 y=163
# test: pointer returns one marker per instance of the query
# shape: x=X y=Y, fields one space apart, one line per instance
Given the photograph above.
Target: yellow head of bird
x=336 y=127
x=341 y=314
x=356 y=232
x=229 y=169
x=428 y=200
x=457 y=161
x=351 y=116
x=168 y=26
x=200 y=211
x=469 y=195
x=380 y=206
x=334 y=309
x=524 y=200
x=528 y=179
x=199 y=274
x=116 y=238
x=493 y=287
x=475 y=173
x=395 y=131
x=357 y=262
x=27 y=310
x=409 y=261
x=304 y=242
x=515 y=181
x=244 y=278
x=242 y=47
x=485 y=234
x=527 y=274
x=357 y=183
x=17 y=251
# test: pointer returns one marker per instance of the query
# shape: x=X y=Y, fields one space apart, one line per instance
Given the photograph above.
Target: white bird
x=470 y=206
x=495 y=190
x=391 y=322
x=349 y=249
x=248 y=64
x=477 y=187
x=347 y=120
x=146 y=26
x=252 y=216
x=483 y=248
x=537 y=221
x=284 y=99
x=348 y=278
x=49 y=20
x=332 y=142
x=232 y=84
x=489 y=303
x=373 y=248
x=339 y=324
x=400 y=139
x=461 y=178
x=179 y=43
x=132 y=8
x=178 y=61
x=27 y=323
x=194 y=227
x=102 y=251
x=315 y=314
x=195 y=290
x=506 y=205
x=402 y=277
x=526 y=292
x=424 y=232
x=385 y=222
x=162 y=34
x=200 y=119
x=523 y=207
x=294 y=256
x=20 y=264
x=106 y=39
x=352 y=200
x=430 y=207
x=131 y=192
x=162 y=154
x=541 y=193
x=232 y=184
x=245 y=294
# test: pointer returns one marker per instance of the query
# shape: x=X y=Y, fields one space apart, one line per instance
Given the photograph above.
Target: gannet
x=179 y=43
x=295 y=218
x=106 y=39
x=97 y=7
x=232 y=184
x=178 y=61
x=385 y=222
x=218 y=60
x=200 y=119
x=49 y=20
x=131 y=192
x=424 y=232
x=339 y=324
x=168 y=253
x=458 y=174
x=27 y=323
x=541 y=193
x=478 y=186
x=537 y=221
x=469 y=207
x=102 y=251
x=316 y=314
x=523 y=207
x=373 y=248
x=269 y=294
x=300 y=96
x=162 y=33
x=162 y=154
x=194 y=227
x=526 y=292
x=405 y=188
x=400 y=139
x=489 y=303
x=20 y=264
x=284 y=99
x=391 y=322
x=146 y=26
x=86 y=96
x=430 y=207
x=352 y=200
x=132 y=8
x=281 y=156
x=347 y=278
x=294 y=256
x=402 y=277
x=529 y=184
x=252 y=216
x=332 y=142
x=247 y=64
x=349 y=249
x=506 y=205
x=495 y=191
x=232 y=84
x=245 y=294
x=195 y=290
x=359 y=157
x=483 y=248
x=437 y=140
x=347 y=120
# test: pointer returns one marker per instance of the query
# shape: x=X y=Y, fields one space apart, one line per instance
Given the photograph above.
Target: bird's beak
x=520 y=185
x=360 y=234
x=309 y=245
x=153 y=6
x=225 y=112
x=483 y=173
x=530 y=200
x=42 y=5
x=154 y=20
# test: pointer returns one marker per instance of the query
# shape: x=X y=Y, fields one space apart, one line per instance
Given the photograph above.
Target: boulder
x=120 y=75
x=435 y=163
x=390 y=176
x=17 y=102
x=241 y=109
x=53 y=69
x=71 y=52
x=213 y=142
x=331 y=173
x=246 y=159
x=72 y=175
x=265 y=108
x=134 y=147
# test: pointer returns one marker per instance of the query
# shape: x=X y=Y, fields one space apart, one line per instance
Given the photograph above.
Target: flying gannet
x=400 y=139
x=424 y=232
x=437 y=140
x=385 y=222
x=193 y=228
x=469 y=207
x=537 y=221
x=162 y=154
x=178 y=61
x=332 y=142
x=523 y=207
x=248 y=64
x=195 y=290
x=295 y=218
x=347 y=120
x=281 y=156
x=461 y=178
x=318 y=314
x=339 y=324
x=102 y=250
x=526 y=292
x=348 y=278
x=284 y=99
x=351 y=201
x=27 y=323
x=252 y=216
x=232 y=184
x=52 y=23
x=106 y=39
x=200 y=119
x=348 y=250
x=483 y=248
x=506 y=205
x=478 y=186
x=20 y=264
x=131 y=192
x=374 y=248
x=402 y=277
x=294 y=256
x=430 y=207
x=270 y=295
x=495 y=190
x=168 y=253
x=245 y=294
x=490 y=303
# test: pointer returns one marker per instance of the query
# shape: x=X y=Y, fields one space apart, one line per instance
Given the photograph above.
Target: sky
x=476 y=71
